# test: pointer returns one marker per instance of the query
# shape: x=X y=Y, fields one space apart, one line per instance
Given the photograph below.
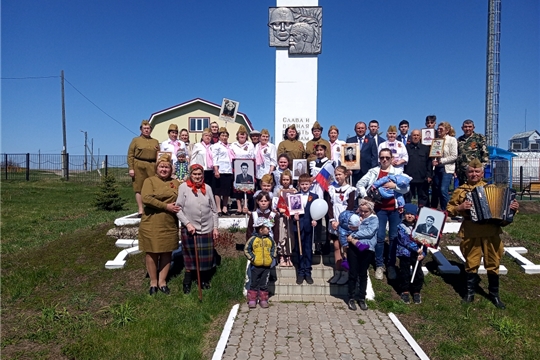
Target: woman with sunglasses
x=387 y=211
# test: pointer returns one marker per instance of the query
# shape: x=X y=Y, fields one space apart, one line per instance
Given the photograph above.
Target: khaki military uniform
x=473 y=147
x=294 y=148
x=158 y=231
x=310 y=149
x=478 y=239
x=142 y=155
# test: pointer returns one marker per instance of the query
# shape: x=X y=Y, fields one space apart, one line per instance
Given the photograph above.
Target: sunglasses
x=430 y=122
x=385 y=157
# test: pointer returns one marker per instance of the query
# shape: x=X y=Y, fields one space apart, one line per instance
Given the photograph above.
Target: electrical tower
x=493 y=72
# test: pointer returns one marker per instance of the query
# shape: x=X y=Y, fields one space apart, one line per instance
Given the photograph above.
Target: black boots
x=472 y=281
x=493 y=287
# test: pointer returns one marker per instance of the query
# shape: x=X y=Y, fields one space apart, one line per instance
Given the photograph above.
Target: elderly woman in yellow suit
x=158 y=231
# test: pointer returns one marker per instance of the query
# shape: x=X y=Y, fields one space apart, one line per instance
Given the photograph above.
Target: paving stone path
x=321 y=330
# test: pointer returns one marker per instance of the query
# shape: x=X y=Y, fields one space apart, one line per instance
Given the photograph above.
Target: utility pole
x=64 y=148
x=85 y=150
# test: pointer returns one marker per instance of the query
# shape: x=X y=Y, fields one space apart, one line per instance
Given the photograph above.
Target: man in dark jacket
x=369 y=156
x=419 y=168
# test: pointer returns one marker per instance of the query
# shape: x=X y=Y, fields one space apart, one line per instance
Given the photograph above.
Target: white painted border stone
x=128 y=220
x=526 y=265
x=481 y=270
x=222 y=343
x=119 y=261
x=417 y=349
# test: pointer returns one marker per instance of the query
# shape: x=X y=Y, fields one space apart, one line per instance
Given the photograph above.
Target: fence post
x=27 y=166
x=6 y=165
x=106 y=165
x=67 y=167
x=521 y=178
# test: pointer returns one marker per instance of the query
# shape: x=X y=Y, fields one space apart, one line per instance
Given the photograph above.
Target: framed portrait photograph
x=429 y=227
x=244 y=175
x=437 y=147
x=294 y=202
x=299 y=167
x=159 y=153
x=428 y=135
x=350 y=156
x=229 y=109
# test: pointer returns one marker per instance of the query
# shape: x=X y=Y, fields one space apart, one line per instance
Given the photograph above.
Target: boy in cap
x=409 y=252
x=261 y=251
x=478 y=239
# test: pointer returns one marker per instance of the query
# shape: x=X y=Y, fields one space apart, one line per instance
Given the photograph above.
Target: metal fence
x=80 y=168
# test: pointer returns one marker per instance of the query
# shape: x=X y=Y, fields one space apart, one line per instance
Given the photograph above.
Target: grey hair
x=369 y=204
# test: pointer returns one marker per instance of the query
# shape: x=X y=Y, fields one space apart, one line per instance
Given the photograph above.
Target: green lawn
x=59 y=301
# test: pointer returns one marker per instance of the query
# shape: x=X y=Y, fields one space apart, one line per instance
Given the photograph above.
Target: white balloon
x=318 y=209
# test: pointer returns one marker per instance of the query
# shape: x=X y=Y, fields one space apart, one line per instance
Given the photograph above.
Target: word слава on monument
x=303 y=127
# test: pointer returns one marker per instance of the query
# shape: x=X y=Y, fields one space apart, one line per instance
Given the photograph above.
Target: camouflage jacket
x=473 y=147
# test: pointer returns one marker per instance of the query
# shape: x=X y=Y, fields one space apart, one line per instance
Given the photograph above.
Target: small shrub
x=506 y=327
x=108 y=197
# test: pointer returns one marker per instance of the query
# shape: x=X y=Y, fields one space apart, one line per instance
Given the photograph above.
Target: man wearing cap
x=369 y=156
x=419 y=168
x=471 y=146
x=404 y=132
x=142 y=153
x=255 y=136
x=316 y=130
x=173 y=145
x=478 y=239
x=291 y=145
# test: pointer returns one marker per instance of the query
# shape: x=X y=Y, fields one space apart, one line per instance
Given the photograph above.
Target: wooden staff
x=299 y=240
x=197 y=267
x=245 y=205
x=289 y=235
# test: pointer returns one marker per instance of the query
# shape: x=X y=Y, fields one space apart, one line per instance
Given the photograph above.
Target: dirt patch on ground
x=529 y=207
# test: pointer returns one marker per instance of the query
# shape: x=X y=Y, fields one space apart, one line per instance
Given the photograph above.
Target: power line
x=100 y=109
x=30 y=77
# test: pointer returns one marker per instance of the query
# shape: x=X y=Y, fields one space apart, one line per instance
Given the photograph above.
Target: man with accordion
x=485 y=209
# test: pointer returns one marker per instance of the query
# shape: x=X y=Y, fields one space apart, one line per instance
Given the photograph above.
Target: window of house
x=198 y=124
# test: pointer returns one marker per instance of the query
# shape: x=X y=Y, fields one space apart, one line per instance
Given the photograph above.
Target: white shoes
x=379 y=273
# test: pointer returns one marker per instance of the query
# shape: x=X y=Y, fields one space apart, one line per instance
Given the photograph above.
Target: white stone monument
x=295 y=30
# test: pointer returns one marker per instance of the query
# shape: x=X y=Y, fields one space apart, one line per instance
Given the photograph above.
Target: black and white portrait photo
x=299 y=167
x=229 y=109
x=429 y=226
x=427 y=136
x=244 y=174
x=350 y=156
x=294 y=202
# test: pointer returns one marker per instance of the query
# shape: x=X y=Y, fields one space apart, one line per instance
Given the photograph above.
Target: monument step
x=288 y=286
x=317 y=272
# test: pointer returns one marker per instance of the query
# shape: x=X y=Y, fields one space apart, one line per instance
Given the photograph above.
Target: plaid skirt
x=205 y=249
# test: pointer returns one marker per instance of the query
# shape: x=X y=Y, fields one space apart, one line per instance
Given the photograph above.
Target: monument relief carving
x=298 y=28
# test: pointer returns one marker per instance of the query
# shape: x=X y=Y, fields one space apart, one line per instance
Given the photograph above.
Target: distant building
x=194 y=115
x=525 y=141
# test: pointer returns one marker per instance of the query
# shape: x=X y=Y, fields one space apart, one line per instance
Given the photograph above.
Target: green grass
x=59 y=301
x=447 y=329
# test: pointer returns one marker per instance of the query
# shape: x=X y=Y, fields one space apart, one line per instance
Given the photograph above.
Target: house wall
x=180 y=116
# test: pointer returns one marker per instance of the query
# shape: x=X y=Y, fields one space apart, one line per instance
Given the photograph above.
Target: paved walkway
x=288 y=330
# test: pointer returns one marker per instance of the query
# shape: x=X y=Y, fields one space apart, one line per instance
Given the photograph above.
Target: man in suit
x=427 y=228
x=368 y=151
x=374 y=133
x=419 y=168
x=244 y=177
x=404 y=132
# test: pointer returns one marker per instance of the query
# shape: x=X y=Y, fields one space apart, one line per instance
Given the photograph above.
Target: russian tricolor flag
x=325 y=177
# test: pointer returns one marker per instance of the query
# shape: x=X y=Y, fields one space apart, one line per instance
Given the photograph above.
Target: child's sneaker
x=405 y=297
x=417 y=299
x=379 y=272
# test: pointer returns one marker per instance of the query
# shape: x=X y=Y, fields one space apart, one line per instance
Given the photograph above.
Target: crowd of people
x=195 y=184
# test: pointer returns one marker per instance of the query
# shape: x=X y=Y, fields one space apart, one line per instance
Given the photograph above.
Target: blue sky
x=387 y=60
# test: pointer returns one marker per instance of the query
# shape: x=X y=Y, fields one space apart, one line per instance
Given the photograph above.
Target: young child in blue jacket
x=358 y=237
x=409 y=252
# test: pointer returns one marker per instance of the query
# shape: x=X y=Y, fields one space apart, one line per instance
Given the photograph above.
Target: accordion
x=491 y=204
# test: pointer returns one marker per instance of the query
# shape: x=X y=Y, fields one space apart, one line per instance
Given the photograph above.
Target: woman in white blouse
x=265 y=155
x=400 y=156
x=202 y=155
x=446 y=164
x=222 y=158
x=335 y=144
x=242 y=149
